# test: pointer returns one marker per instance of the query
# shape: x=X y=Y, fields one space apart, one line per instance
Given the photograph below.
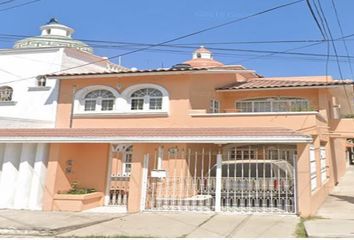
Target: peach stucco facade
x=188 y=106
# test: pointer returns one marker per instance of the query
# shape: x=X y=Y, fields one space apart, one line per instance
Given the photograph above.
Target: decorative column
x=303 y=184
x=39 y=175
x=25 y=172
x=218 y=182
x=108 y=177
x=2 y=149
x=11 y=162
x=144 y=180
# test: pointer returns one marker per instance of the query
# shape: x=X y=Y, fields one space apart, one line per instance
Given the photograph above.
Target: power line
x=342 y=34
x=181 y=37
x=337 y=59
x=315 y=18
x=19 y=5
x=6 y=2
x=332 y=42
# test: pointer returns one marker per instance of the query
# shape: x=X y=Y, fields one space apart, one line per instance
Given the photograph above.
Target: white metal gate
x=240 y=179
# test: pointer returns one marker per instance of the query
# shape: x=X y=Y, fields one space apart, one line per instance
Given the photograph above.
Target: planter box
x=77 y=202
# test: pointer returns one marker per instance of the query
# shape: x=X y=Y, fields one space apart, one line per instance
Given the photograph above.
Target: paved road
x=337 y=211
x=36 y=223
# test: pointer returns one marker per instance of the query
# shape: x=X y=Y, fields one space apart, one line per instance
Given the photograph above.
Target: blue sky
x=157 y=20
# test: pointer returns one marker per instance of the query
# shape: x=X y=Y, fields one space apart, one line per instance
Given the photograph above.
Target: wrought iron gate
x=240 y=179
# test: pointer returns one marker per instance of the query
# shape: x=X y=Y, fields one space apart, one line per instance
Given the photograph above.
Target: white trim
x=37 y=89
x=198 y=139
x=277 y=88
x=133 y=114
x=8 y=103
x=252 y=114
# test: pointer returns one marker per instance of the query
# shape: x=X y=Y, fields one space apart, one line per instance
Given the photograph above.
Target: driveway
x=61 y=224
x=336 y=215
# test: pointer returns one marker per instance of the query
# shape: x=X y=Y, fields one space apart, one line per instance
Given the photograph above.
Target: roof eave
x=281 y=88
x=188 y=139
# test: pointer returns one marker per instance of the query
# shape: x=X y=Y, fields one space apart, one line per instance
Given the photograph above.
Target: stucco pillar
x=9 y=174
x=303 y=180
x=39 y=175
x=2 y=149
x=23 y=186
x=52 y=174
x=317 y=146
x=135 y=182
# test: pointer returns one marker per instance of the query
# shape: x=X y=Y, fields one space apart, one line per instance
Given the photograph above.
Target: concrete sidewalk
x=337 y=212
x=63 y=224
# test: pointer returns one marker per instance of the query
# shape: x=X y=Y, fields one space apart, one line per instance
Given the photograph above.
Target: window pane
x=128 y=158
x=299 y=105
x=90 y=105
x=128 y=168
x=280 y=106
x=155 y=104
x=5 y=94
x=107 y=105
x=147 y=91
x=244 y=106
x=137 y=104
x=99 y=93
x=261 y=107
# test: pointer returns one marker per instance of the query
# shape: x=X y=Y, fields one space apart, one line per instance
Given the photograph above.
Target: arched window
x=146 y=99
x=6 y=94
x=99 y=100
x=273 y=104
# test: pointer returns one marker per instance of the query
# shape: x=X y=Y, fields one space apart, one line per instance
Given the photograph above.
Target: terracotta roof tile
x=129 y=71
x=262 y=83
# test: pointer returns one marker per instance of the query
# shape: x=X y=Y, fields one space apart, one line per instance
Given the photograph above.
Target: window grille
x=6 y=94
x=99 y=99
x=273 y=105
x=146 y=99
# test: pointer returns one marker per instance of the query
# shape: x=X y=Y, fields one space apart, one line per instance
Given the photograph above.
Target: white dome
x=53 y=34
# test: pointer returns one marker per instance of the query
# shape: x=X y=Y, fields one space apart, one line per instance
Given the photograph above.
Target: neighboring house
x=28 y=100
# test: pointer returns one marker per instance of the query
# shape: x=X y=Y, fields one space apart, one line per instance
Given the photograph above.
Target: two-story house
x=200 y=136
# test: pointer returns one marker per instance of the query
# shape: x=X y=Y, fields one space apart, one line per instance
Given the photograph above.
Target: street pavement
x=336 y=215
x=153 y=224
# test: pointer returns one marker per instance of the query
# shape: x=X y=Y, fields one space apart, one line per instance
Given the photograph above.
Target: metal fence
x=238 y=179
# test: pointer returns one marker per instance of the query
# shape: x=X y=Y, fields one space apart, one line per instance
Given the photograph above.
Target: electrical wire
x=19 y=5
x=178 y=38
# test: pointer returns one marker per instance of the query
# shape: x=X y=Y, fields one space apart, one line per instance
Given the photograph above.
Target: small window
x=214 y=106
x=127 y=161
x=99 y=100
x=41 y=81
x=146 y=99
x=6 y=94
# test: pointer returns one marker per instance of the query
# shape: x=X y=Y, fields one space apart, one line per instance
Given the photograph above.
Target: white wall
x=23 y=168
x=18 y=69
x=36 y=108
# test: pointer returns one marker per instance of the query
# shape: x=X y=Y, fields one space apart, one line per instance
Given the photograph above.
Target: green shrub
x=75 y=189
